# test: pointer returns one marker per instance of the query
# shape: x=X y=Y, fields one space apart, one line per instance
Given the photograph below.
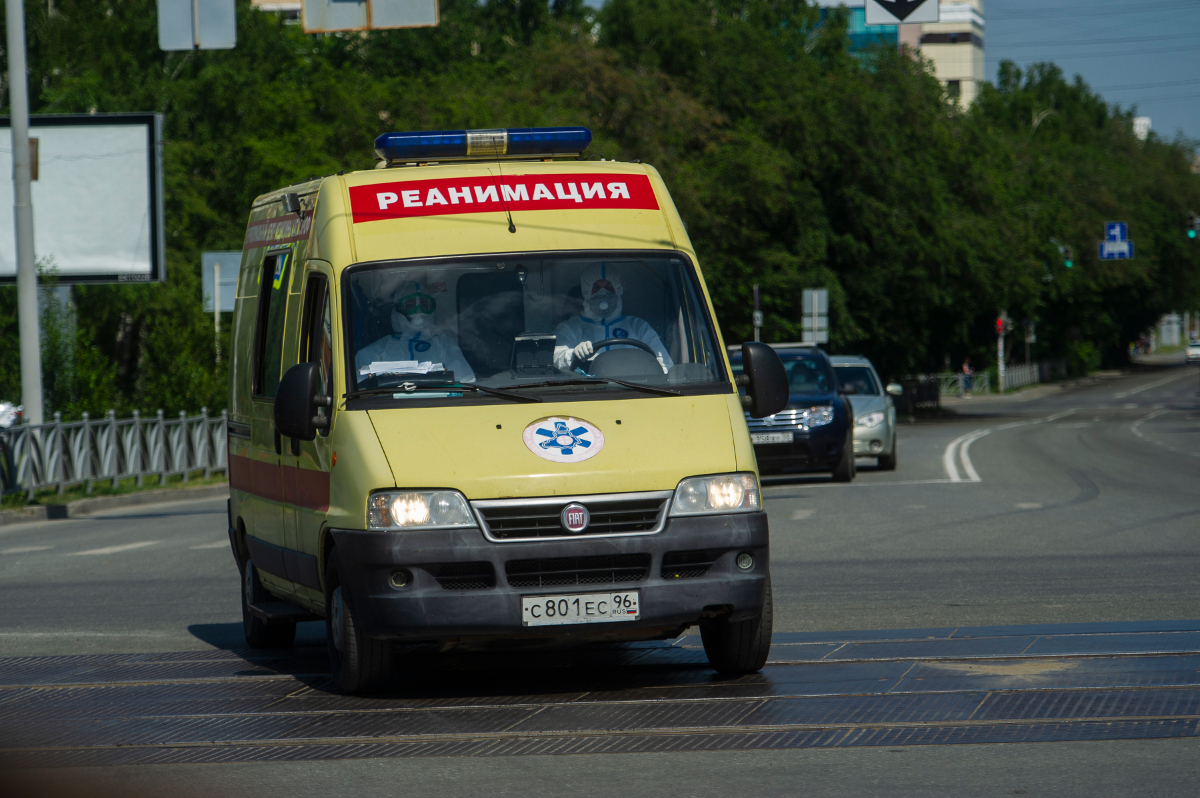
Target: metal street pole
x=1000 y=352
x=758 y=316
x=27 y=297
x=217 y=305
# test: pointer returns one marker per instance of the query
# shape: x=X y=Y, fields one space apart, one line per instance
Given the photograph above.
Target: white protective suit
x=416 y=341
x=603 y=317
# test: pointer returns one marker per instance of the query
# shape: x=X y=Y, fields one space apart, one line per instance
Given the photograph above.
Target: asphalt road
x=1051 y=507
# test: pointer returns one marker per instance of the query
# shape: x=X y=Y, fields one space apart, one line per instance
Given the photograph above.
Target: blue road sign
x=1116 y=250
x=1116 y=244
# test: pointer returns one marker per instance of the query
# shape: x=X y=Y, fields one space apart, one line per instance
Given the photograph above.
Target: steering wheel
x=598 y=345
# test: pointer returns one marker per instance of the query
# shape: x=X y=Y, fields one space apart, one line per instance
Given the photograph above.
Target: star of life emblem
x=563 y=440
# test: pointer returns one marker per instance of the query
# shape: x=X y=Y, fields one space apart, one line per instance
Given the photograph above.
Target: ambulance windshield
x=531 y=324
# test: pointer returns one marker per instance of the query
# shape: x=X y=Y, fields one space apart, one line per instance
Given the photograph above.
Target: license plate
x=580 y=608
x=770 y=437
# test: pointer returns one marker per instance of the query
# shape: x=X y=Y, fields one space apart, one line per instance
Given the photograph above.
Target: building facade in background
x=954 y=44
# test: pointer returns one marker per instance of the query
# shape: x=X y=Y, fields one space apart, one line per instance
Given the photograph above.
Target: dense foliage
x=794 y=162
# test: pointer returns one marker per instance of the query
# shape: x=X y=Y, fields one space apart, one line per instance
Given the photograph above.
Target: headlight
x=818 y=416
x=724 y=493
x=869 y=420
x=418 y=509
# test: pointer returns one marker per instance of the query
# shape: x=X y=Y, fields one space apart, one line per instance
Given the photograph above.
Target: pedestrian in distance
x=967 y=371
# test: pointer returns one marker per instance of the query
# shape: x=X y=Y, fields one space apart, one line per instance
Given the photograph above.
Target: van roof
x=484 y=207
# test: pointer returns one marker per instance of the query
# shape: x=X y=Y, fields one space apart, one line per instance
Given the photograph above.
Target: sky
x=1139 y=52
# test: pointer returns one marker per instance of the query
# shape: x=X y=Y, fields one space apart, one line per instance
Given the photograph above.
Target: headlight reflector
x=418 y=509
x=816 y=416
x=869 y=420
x=722 y=493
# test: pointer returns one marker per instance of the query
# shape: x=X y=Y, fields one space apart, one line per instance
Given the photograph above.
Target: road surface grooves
x=1107 y=681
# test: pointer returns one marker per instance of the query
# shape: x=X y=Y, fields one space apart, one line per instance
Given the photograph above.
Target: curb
x=80 y=507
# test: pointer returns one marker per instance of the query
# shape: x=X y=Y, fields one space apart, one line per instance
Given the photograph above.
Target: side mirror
x=296 y=403
x=895 y=389
x=765 y=380
x=291 y=203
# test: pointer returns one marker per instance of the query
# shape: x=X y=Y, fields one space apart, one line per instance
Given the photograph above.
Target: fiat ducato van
x=478 y=397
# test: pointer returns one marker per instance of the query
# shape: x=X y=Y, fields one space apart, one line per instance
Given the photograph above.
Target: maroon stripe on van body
x=303 y=487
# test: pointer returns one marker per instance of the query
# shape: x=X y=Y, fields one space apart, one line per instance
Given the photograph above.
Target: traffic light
x=999 y=325
x=1193 y=226
x=1068 y=256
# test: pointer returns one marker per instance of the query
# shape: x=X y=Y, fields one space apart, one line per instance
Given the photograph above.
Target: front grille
x=689 y=564
x=463 y=575
x=606 y=569
x=782 y=421
x=519 y=520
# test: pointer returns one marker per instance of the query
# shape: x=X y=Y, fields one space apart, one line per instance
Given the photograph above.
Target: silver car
x=874 y=412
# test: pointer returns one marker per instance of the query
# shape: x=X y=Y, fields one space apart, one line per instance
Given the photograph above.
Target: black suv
x=814 y=432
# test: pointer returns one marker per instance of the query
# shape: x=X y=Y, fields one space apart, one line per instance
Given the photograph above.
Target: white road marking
x=957 y=449
x=215 y=545
x=77 y=634
x=964 y=455
x=1029 y=505
x=115 y=549
x=24 y=549
x=1148 y=386
x=800 y=515
x=915 y=506
x=860 y=484
x=1145 y=418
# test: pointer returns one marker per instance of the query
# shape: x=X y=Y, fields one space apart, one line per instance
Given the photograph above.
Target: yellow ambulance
x=478 y=396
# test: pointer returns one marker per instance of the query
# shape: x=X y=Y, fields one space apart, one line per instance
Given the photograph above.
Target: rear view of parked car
x=874 y=411
x=813 y=433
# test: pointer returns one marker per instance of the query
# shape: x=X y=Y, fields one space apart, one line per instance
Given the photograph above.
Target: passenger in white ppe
x=602 y=317
x=414 y=337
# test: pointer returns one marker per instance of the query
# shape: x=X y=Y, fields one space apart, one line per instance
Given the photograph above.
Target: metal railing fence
x=955 y=384
x=61 y=455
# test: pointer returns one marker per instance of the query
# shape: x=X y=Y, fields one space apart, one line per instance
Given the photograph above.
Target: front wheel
x=887 y=462
x=359 y=663
x=739 y=647
x=845 y=470
x=259 y=633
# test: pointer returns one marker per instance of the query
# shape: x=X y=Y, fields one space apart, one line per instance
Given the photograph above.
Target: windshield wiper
x=411 y=387
x=637 y=386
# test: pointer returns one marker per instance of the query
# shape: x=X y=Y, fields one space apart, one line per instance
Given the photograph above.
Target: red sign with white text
x=452 y=195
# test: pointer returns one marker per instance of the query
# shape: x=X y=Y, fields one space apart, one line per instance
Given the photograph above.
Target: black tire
x=887 y=462
x=845 y=470
x=740 y=647
x=359 y=663
x=259 y=633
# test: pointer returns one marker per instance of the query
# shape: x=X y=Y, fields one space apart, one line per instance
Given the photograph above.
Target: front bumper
x=874 y=441
x=426 y=610
x=819 y=448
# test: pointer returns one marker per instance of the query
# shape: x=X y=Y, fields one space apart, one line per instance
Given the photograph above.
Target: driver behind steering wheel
x=602 y=318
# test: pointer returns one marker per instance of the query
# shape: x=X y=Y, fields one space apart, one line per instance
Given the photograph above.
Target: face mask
x=602 y=303
x=420 y=320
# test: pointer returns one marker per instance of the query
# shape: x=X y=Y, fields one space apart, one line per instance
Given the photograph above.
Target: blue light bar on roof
x=517 y=142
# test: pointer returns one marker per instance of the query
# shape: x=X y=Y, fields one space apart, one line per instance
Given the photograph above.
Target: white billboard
x=325 y=16
x=97 y=199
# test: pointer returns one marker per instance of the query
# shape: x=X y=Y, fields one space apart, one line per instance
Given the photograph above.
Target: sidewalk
x=1032 y=392
x=44 y=512
x=1176 y=358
